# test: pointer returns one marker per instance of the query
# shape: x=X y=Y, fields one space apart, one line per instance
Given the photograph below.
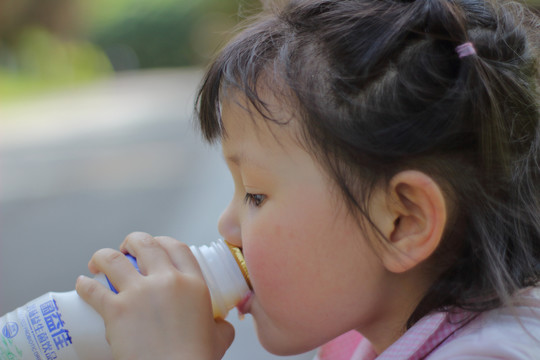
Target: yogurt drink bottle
x=62 y=326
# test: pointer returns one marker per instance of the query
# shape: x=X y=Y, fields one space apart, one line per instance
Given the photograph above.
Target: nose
x=229 y=226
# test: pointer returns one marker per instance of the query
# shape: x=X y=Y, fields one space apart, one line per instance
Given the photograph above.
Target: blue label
x=10 y=330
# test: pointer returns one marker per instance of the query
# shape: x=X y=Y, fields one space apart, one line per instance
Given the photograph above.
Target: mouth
x=245 y=304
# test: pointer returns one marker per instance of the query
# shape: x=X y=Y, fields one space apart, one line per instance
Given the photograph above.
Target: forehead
x=269 y=120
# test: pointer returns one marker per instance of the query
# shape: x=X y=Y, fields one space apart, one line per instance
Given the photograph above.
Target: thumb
x=225 y=336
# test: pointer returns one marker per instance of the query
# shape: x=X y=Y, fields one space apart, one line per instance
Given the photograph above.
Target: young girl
x=385 y=156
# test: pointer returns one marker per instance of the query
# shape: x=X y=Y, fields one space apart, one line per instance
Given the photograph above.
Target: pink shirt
x=504 y=333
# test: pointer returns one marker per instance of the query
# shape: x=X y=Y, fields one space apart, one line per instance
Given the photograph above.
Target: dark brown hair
x=379 y=88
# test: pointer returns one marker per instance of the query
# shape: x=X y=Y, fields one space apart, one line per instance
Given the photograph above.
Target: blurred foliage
x=46 y=44
x=50 y=44
x=162 y=33
x=39 y=61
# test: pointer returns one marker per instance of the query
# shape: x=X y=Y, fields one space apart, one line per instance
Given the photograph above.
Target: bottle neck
x=224 y=271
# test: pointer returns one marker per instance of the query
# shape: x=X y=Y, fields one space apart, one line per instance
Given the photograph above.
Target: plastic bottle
x=62 y=326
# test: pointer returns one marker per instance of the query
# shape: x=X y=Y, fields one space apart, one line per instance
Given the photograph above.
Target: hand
x=163 y=312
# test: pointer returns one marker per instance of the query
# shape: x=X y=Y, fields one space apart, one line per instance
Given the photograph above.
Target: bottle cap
x=239 y=257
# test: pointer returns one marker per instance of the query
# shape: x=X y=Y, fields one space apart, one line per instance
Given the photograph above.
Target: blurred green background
x=52 y=44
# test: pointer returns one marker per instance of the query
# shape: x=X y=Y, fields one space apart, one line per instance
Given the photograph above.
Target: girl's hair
x=378 y=87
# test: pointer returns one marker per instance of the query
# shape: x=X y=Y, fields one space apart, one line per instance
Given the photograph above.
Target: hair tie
x=465 y=49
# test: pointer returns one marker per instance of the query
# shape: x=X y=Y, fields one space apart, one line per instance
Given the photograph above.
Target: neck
x=402 y=297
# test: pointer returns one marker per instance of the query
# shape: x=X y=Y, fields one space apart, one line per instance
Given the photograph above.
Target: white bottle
x=62 y=326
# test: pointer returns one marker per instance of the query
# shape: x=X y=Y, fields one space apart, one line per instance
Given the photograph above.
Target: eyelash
x=254 y=199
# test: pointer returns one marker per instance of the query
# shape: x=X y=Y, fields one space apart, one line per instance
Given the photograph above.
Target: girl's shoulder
x=511 y=332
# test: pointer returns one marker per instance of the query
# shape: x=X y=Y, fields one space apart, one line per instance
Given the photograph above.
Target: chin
x=283 y=344
x=285 y=350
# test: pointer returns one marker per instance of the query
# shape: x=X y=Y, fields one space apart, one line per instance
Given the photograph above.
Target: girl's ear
x=414 y=220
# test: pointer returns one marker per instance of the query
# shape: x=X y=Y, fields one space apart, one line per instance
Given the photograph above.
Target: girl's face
x=313 y=272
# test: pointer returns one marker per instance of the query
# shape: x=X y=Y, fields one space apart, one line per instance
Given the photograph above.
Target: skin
x=143 y=325
x=315 y=273
x=310 y=264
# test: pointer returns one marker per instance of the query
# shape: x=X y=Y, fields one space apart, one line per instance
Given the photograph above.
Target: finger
x=225 y=336
x=180 y=254
x=115 y=266
x=151 y=257
x=94 y=293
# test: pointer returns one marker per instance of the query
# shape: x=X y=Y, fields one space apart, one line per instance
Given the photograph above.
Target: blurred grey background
x=96 y=136
x=96 y=139
x=81 y=169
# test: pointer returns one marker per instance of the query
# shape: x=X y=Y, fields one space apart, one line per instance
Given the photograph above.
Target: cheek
x=268 y=256
x=285 y=243
x=287 y=256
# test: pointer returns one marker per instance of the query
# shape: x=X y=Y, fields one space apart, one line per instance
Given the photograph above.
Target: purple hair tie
x=465 y=49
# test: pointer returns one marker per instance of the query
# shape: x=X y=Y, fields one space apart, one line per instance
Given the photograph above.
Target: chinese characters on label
x=48 y=328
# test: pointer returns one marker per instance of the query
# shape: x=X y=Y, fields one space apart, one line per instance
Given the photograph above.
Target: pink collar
x=418 y=342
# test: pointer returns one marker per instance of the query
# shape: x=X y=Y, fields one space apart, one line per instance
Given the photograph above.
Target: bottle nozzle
x=239 y=257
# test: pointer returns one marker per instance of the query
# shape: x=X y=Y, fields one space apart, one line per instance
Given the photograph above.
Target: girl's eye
x=254 y=199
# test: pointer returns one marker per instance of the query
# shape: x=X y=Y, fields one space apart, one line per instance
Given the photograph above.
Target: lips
x=244 y=304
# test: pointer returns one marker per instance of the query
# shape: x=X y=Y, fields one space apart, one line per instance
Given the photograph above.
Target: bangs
x=239 y=67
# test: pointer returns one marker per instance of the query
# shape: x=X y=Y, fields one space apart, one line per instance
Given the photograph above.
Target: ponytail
x=502 y=238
